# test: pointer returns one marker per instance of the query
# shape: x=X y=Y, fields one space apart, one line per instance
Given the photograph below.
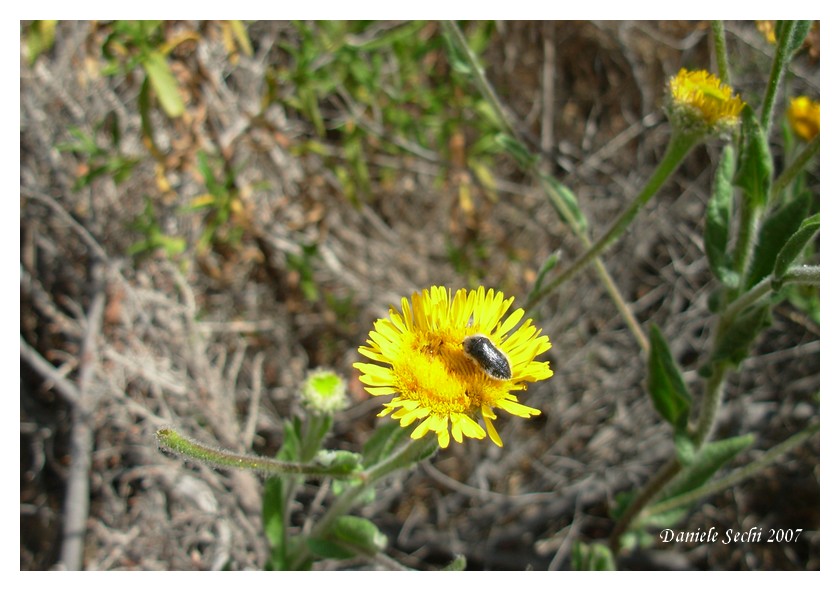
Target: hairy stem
x=768 y=458
x=172 y=440
x=719 y=36
x=678 y=148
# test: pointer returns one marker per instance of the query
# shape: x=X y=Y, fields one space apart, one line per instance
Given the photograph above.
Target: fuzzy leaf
x=665 y=382
x=716 y=233
x=755 y=165
x=708 y=460
x=795 y=245
x=359 y=533
x=775 y=232
x=735 y=343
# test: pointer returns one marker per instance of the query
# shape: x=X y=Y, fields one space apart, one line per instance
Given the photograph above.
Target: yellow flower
x=433 y=377
x=804 y=117
x=699 y=102
x=768 y=29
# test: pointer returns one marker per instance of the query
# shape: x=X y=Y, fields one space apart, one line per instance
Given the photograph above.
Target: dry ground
x=217 y=343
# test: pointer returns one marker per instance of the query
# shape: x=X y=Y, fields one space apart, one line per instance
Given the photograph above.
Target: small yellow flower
x=699 y=102
x=768 y=29
x=804 y=117
x=434 y=379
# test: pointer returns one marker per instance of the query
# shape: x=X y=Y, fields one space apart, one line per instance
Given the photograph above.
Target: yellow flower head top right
x=804 y=117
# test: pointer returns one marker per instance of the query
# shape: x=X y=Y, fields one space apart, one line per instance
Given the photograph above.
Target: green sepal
x=755 y=165
x=734 y=344
x=794 y=246
x=775 y=232
x=595 y=557
x=665 y=382
x=718 y=212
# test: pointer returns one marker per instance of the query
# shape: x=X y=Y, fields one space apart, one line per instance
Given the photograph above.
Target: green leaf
x=359 y=533
x=329 y=549
x=735 y=343
x=383 y=441
x=665 y=382
x=273 y=504
x=547 y=266
x=565 y=203
x=144 y=105
x=709 y=459
x=520 y=153
x=684 y=448
x=716 y=233
x=778 y=228
x=755 y=165
x=316 y=428
x=407 y=31
x=795 y=245
x=596 y=557
x=798 y=35
x=164 y=83
x=459 y=563
x=39 y=38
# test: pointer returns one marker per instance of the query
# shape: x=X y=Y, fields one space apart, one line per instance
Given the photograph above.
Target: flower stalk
x=173 y=441
x=678 y=148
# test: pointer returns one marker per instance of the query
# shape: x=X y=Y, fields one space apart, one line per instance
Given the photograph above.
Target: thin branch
x=77 y=499
x=49 y=372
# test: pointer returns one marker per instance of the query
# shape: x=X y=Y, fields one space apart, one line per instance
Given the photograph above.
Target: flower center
x=435 y=371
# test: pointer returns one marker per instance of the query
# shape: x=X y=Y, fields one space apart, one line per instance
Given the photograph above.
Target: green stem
x=489 y=94
x=483 y=84
x=712 y=397
x=768 y=458
x=719 y=36
x=172 y=440
x=678 y=148
x=790 y=173
x=403 y=457
x=623 y=308
x=654 y=486
x=779 y=62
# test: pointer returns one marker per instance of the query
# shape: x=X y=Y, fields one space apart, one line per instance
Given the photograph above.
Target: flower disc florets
x=421 y=360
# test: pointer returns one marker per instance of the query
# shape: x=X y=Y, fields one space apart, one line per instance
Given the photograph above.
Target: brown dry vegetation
x=216 y=341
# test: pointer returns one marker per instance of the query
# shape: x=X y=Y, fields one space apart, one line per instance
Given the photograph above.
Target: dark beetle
x=492 y=361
